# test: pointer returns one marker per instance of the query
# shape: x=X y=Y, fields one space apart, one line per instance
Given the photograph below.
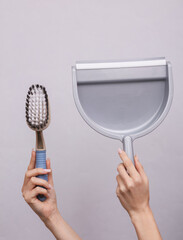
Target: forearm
x=60 y=229
x=145 y=225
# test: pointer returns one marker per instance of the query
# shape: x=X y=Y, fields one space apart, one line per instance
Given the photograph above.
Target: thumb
x=50 y=176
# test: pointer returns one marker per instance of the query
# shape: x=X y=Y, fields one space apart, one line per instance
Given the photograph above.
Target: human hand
x=133 y=185
x=30 y=189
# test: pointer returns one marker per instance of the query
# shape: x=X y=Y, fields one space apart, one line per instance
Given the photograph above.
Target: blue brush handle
x=41 y=163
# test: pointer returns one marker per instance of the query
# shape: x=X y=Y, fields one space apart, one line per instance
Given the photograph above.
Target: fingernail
x=119 y=150
x=33 y=150
x=50 y=186
x=46 y=170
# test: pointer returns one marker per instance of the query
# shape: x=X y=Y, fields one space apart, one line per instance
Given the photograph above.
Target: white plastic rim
x=128 y=64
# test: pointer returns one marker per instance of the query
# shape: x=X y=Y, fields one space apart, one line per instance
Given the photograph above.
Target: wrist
x=145 y=224
x=141 y=215
x=53 y=219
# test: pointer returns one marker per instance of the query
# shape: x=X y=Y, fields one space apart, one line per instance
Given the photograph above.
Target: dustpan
x=123 y=100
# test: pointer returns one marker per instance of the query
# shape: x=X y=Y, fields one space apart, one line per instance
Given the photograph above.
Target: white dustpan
x=124 y=100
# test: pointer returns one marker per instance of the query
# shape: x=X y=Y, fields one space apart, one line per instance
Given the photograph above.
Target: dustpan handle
x=128 y=147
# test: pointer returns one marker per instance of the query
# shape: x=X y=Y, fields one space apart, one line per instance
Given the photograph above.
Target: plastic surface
x=128 y=147
x=41 y=163
x=123 y=100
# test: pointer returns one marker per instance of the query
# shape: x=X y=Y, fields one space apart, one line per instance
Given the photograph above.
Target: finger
x=32 y=160
x=35 y=181
x=128 y=164
x=121 y=184
x=139 y=167
x=50 y=175
x=119 y=180
x=123 y=173
x=118 y=191
x=36 y=171
x=39 y=190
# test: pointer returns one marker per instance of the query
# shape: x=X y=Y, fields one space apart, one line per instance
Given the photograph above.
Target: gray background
x=40 y=40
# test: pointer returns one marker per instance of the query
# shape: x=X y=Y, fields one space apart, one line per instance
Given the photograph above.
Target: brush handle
x=128 y=147
x=41 y=163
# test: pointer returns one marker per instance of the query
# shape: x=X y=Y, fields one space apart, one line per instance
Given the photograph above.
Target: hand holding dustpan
x=123 y=100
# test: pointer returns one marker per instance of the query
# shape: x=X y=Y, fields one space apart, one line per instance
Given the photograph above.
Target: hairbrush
x=38 y=119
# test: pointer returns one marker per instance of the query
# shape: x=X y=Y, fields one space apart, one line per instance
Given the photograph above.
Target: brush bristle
x=37 y=112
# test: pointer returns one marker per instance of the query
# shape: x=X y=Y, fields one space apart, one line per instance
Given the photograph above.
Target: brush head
x=37 y=108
